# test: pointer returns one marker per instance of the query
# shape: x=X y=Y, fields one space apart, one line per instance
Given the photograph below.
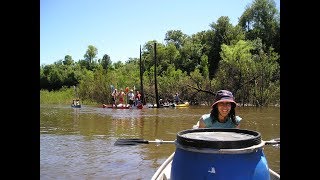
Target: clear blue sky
x=119 y=27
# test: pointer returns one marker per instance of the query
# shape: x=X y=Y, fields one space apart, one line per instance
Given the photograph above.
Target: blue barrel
x=219 y=154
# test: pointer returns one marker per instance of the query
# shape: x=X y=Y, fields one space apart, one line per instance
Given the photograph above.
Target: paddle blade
x=121 y=142
x=273 y=141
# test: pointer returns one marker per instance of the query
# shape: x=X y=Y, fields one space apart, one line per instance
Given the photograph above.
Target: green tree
x=68 y=60
x=250 y=76
x=262 y=19
x=176 y=37
x=106 y=62
x=224 y=33
x=91 y=53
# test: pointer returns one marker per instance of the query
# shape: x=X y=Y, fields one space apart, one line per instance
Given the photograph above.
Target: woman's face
x=224 y=108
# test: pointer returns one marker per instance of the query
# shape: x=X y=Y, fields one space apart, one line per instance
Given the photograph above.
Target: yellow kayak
x=186 y=104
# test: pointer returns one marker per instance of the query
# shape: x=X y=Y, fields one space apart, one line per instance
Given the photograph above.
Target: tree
x=261 y=19
x=91 y=54
x=67 y=60
x=106 y=62
x=249 y=72
x=223 y=33
x=176 y=37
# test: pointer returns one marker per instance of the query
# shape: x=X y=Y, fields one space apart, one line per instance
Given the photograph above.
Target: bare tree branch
x=201 y=90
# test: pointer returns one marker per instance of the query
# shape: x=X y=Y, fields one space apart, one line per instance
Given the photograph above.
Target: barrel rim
x=238 y=144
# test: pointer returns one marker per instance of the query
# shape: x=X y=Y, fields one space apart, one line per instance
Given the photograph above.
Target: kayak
x=164 y=171
x=186 y=104
x=76 y=106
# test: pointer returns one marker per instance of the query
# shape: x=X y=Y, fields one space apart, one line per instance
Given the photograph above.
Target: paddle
x=137 y=141
x=272 y=141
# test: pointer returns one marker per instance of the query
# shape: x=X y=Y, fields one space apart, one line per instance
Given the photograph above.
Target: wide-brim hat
x=224 y=96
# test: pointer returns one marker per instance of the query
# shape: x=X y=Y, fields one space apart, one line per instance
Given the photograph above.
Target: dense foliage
x=244 y=59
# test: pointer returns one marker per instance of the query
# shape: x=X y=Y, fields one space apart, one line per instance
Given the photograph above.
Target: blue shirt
x=216 y=124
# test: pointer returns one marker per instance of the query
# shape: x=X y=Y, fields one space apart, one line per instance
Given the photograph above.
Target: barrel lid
x=218 y=138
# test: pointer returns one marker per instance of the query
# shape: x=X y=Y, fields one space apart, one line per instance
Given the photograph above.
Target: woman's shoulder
x=206 y=121
x=238 y=118
x=206 y=118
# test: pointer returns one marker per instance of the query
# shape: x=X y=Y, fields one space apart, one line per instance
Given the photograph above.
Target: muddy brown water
x=78 y=143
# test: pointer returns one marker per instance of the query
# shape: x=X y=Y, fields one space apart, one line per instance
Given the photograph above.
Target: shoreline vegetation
x=66 y=95
x=63 y=96
x=242 y=58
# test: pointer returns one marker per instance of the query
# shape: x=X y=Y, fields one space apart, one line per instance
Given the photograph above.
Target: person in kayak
x=176 y=98
x=222 y=114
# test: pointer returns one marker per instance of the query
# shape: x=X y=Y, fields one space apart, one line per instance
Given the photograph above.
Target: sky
x=119 y=27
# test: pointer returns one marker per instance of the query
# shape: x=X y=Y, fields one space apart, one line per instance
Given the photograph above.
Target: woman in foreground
x=222 y=114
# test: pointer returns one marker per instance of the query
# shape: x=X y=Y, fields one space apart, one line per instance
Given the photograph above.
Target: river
x=78 y=143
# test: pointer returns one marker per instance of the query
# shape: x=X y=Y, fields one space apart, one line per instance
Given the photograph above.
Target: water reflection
x=77 y=143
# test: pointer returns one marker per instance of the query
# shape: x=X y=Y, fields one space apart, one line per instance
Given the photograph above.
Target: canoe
x=121 y=106
x=76 y=106
x=164 y=171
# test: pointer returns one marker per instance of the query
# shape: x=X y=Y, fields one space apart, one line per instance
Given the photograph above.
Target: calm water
x=79 y=143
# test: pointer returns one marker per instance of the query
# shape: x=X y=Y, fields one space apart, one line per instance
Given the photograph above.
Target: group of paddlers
x=125 y=97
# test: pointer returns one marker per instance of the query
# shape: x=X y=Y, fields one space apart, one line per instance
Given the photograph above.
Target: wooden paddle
x=137 y=141
x=272 y=141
